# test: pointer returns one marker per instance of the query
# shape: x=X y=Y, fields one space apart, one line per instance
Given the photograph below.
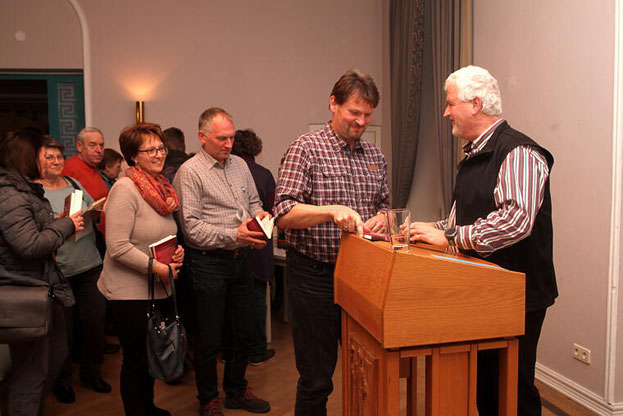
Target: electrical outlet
x=581 y=353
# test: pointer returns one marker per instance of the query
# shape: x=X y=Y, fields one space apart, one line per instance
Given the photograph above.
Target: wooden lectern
x=446 y=307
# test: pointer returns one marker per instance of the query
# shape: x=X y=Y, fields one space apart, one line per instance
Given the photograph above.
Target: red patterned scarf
x=156 y=191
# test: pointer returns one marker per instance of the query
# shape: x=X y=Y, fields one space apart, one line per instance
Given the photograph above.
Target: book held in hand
x=164 y=249
x=73 y=203
x=89 y=216
x=264 y=226
x=96 y=205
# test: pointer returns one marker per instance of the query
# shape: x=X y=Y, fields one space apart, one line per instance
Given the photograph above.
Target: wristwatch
x=450 y=234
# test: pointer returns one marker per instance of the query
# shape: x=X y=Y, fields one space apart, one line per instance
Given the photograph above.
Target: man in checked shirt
x=329 y=181
x=502 y=212
x=218 y=199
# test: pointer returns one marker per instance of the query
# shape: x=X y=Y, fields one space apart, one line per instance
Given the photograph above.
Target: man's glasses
x=153 y=151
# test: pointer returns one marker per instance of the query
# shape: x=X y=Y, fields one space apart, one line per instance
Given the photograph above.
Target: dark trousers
x=34 y=367
x=258 y=340
x=136 y=386
x=316 y=330
x=88 y=317
x=221 y=287
x=528 y=398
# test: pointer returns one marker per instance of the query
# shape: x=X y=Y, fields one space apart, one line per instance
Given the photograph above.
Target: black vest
x=474 y=199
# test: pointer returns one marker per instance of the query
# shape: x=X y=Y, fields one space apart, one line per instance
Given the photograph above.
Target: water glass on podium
x=399 y=223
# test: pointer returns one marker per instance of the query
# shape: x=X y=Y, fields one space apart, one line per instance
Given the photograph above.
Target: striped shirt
x=214 y=200
x=518 y=195
x=319 y=169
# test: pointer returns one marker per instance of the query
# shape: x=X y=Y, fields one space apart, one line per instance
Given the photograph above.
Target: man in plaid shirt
x=329 y=182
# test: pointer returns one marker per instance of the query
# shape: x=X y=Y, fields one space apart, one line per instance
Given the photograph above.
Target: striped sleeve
x=518 y=195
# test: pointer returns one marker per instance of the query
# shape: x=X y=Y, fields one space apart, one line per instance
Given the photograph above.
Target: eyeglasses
x=153 y=151
x=51 y=158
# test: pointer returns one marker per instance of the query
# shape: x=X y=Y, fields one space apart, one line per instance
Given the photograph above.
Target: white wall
x=554 y=62
x=52 y=32
x=270 y=64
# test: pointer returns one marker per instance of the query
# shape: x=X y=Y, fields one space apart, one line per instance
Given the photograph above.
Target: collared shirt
x=518 y=195
x=318 y=169
x=214 y=200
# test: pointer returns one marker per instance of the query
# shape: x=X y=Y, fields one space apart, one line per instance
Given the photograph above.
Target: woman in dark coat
x=29 y=235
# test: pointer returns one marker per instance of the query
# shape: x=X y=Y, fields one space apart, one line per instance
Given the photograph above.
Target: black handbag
x=26 y=308
x=166 y=337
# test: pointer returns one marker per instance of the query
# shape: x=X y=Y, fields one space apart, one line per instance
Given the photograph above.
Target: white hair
x=82 y=133
x=473 y=81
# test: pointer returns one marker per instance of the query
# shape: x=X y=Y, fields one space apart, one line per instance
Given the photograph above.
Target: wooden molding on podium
x=426 y=296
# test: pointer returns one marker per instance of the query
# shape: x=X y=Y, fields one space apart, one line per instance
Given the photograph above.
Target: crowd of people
x=330 y=181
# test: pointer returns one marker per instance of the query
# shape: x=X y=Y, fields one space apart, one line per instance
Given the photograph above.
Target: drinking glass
x=399 y=223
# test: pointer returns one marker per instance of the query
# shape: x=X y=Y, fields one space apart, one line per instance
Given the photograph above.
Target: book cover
x=73 y=203
x=264 y=226
x=376 y=237
x=164 y=249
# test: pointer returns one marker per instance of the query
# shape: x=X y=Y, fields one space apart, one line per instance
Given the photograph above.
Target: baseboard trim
x=577 y=393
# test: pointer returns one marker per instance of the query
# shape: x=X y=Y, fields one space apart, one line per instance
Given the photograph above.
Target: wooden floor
x=275 y=381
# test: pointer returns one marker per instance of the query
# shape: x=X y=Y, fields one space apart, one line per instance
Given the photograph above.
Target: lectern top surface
x=427 y=250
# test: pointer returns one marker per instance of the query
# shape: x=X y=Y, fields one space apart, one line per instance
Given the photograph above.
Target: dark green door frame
x=65 y=104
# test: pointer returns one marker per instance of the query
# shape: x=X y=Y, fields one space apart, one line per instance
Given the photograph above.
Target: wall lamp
x=140 y=108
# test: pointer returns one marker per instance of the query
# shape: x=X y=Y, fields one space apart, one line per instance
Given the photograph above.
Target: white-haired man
x=502 y=213
x=83 y=165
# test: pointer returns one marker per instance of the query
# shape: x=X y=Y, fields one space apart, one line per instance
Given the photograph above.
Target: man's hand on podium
x=426 y=232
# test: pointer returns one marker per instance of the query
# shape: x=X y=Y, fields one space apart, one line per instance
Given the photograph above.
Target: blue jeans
x=316 y=330
x=221 y=287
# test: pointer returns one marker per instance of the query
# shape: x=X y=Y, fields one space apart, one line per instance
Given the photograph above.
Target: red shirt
x=89 y=177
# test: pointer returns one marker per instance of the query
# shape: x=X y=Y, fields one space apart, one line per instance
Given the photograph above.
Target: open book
x=163 y=250
x=88 y=215
x=262 y=225
x=95 y=205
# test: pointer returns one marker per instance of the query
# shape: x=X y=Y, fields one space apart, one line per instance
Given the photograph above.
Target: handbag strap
x=172 y=280
x=150 y=287
x=72 y=182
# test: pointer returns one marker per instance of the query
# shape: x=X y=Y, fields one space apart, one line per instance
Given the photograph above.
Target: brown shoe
x=212 y=408
x=248 y=402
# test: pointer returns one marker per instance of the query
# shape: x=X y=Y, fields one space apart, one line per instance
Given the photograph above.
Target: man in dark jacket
x=175 y=142
x=248 y=145
x=502 y=213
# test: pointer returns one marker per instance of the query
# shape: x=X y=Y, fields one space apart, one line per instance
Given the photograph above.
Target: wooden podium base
x=371 y=375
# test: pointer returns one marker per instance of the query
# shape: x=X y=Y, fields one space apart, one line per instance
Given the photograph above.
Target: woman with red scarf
x=138 y=213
